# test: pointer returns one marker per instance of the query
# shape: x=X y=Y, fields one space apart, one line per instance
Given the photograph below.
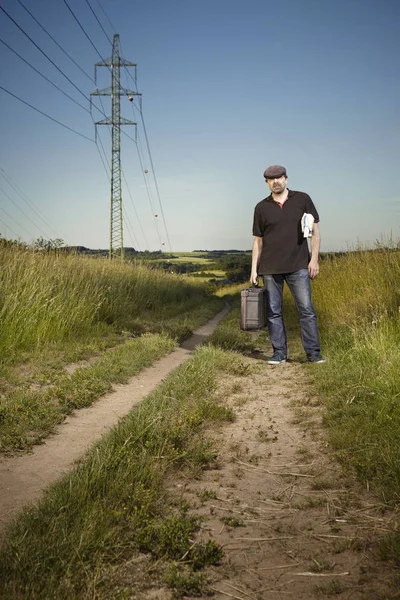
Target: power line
x=126 y=218
x=123 y=174
x=134 y=208
x=15 y=221
x=149 y=196
x=129 y=228
x=8 y=227
x=148 y=191
x=23 y=212
x=44 y=76
x=51 y=61
x=140 y=154
x=46 y=115
x=106 y=16
x=104 y=61
x=97 y=51
x=154 y=177
x=103 y=160
x=26 y=200
x=56 y=43
x=81 y=26
x=140 y=110
x=127 y=187
x=95 y=16
x=70 y=81
x=44 y=53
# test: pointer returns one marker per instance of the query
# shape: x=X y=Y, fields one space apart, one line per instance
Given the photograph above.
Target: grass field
x=190 y=257
x=113 y=506
x=56 y=310
x=53 y=298
x=114 y=502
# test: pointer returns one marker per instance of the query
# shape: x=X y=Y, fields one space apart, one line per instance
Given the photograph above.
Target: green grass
x=49 y=298
x=57 y=309
x=357 y=300
x=112 y=506
x=27 y=415
x=39 y=393
x=113 y=503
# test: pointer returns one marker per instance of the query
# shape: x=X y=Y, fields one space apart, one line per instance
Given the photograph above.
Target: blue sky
x=228 y=88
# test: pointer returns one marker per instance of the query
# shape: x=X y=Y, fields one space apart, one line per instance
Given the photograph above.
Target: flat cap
x=274 y=171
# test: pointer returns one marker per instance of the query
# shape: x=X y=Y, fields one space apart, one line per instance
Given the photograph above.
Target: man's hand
x=255 y=259
x=254 y=278
x=313 y=268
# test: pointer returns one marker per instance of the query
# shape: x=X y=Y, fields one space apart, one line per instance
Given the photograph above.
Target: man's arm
x=313 y=266
x=255 y=258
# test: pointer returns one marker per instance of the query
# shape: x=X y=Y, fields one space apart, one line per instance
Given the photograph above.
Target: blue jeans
x=299 y=285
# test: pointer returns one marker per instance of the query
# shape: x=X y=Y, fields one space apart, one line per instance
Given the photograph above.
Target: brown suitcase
x=253 y=312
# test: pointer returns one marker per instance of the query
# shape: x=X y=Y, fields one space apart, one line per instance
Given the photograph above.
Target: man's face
x=277 y=184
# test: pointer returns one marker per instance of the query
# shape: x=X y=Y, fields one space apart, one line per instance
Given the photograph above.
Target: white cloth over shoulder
x=307 y=222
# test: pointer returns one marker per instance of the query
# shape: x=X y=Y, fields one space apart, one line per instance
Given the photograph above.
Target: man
x=280 y=253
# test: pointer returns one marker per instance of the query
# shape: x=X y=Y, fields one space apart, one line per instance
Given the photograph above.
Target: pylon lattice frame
x=115 y=91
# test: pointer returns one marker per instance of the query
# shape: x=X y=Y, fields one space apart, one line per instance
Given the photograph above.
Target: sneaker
x=315 y=358
x=276 y=359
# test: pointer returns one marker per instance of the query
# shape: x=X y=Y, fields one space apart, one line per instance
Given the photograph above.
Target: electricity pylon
x=115 y=91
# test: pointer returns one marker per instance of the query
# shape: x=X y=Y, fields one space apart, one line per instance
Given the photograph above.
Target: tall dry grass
x=359 y=289
x=54 y=297
x=357 y=298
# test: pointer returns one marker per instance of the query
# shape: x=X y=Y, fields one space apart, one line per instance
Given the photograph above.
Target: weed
x=318 y=566
x=241 y=400
x=389 y=547
x=205 y=495
x=184 y=582
x=236 y=388
x=217 y=412
x=203 y=555
x=355 y=544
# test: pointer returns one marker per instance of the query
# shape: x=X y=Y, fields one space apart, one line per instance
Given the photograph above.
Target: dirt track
x=291 y=524
x=23 y=478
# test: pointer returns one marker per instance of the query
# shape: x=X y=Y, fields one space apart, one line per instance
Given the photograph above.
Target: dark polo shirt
x=284 y=248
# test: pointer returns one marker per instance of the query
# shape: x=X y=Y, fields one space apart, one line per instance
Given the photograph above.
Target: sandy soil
x=291 y=524
x=23 y=478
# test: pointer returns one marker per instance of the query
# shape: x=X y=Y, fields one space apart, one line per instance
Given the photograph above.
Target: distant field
x=232 y=265
x=197 y=257
x=184 y=258
x=190 y=254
